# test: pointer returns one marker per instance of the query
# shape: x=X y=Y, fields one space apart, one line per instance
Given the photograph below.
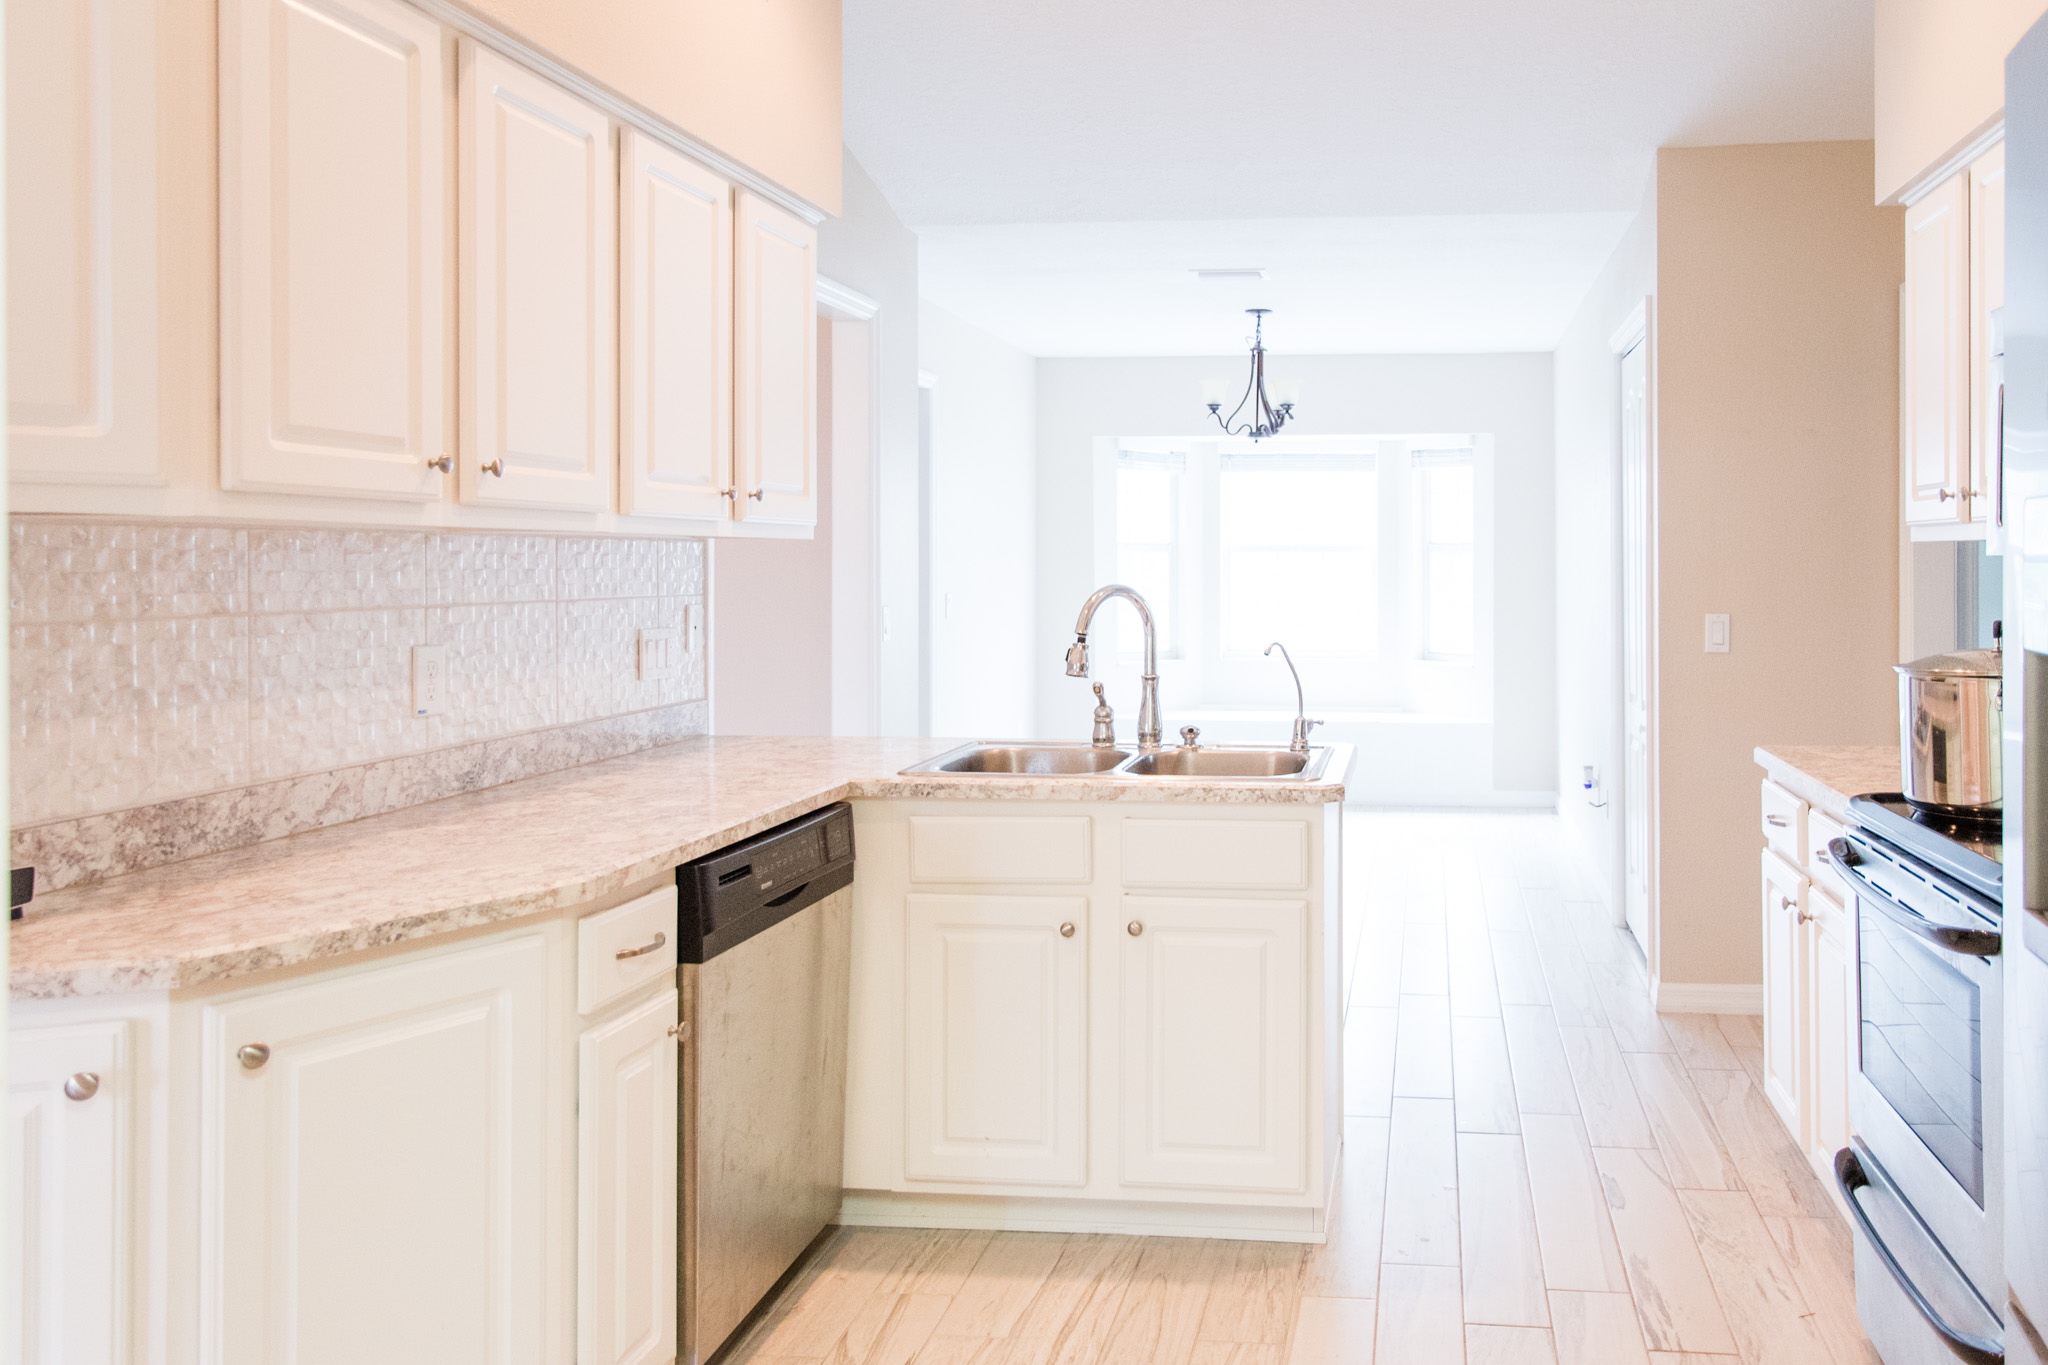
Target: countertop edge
x=1794 y=767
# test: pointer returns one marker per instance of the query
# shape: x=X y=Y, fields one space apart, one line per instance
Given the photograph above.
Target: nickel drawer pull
x=643 y=950
x=81 y=1085
x=252 y=1056
x=1778 y=820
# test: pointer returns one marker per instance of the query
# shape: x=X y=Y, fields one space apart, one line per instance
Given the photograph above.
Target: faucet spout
x=1077 y=657
x=1302 y=724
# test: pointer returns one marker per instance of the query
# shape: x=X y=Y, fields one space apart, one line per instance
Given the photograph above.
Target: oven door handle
x=1954 y=938
x=1851 y=1177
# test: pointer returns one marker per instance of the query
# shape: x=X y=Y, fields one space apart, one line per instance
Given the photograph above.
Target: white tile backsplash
x=154 y=661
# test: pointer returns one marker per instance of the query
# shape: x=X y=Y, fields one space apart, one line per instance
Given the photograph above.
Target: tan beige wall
x=1777 y=474
x=1940 y=79
x=757 y=79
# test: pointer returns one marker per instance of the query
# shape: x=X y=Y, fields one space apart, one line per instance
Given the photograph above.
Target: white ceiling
x=1226 y=128
x=1499 y=282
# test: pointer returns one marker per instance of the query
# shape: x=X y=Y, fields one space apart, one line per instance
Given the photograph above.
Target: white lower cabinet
x=995 y=1044
x=373 y=1164
x=1215 y=1062
x=1784 y=907
x=1831 y=994
x=1039 y=1024
x=626 y=1187
x=68 y=1195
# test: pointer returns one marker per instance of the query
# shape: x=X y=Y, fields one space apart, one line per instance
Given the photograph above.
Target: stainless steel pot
x=1949 y=748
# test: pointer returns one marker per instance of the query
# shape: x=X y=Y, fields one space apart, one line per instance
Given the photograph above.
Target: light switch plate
x=1717 y=633
x=429 y=679
x=660 y=651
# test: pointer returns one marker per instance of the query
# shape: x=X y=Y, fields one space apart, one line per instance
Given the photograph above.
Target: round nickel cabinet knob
x=1134 y=928
x=1067 y=929
x=81 y=1085
x=252 y=1056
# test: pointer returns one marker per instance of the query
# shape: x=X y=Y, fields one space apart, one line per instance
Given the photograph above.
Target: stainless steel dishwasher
x=763 y=936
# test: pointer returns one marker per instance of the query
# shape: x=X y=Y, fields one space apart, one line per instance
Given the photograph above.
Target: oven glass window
x=1923 y=1044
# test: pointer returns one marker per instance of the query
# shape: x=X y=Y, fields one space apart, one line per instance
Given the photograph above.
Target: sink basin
x=1230 y=761
x=1044 y=760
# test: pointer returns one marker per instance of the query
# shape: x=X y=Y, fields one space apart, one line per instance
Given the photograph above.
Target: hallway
x=1537 y=1168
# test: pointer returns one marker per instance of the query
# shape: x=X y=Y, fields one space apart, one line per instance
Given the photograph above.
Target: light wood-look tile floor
x=1538 y=1169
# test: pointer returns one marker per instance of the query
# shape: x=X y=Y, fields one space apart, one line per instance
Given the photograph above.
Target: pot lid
x=1964 y=663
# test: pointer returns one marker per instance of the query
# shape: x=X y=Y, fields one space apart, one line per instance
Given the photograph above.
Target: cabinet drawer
x=624 y=948
x=1001 y=848
x=1216 y=853
x=1820 y=864
x=1784 y=824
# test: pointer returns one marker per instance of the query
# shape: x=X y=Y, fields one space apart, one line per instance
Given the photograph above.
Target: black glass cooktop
x=1972 y=850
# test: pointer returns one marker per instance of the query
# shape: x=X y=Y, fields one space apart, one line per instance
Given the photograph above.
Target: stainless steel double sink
x=1207 y=761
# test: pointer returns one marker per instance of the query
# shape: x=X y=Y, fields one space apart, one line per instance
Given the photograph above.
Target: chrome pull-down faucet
x=1302 y=724
x=1077 y=658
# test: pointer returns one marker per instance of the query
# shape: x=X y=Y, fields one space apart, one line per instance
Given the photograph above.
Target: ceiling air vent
x=1243 y=272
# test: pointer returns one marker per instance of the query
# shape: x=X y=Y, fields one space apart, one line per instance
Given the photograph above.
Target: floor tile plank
x=1377 y=978
x=1607 y=1096
x=1772 y=1167
x=1820 y=1259
x=1503 y=1266
x=1162 y=1306
x=1572 y=1227
x=1625 y=996
x=1473 y=989
x=1347 y=1264
x=1425 y=968
x=1701 y=1044
x=1764 y=1305
x=1005 y=1280
x=1422 y=1187
x=1518 y=968
x=1596 y=1329
x=1543 y=1079
x=1420 y=1321
x=1482 y=1080
x=1253 y=1299
x=1422 y=1048
x=1332 y=1332
x=1693 y=1152
x=1674 y=1296
x=1369 y=1036
x=1486 y=1345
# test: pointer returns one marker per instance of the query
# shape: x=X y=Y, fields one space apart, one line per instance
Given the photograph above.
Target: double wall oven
x=1923 y=1174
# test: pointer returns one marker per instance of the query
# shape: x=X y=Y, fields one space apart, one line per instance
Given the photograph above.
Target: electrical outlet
x=429 y=679
x=693 y=628
x=660 y=652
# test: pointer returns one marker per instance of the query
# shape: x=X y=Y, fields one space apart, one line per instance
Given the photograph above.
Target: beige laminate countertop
x=545 y=843
x=1827 y=775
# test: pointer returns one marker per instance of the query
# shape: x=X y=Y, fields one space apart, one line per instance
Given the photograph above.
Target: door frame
x=1638 y=329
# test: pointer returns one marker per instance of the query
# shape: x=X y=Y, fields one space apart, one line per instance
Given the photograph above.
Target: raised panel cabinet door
x=1935 y=338
x=69 y=1195
x=775 y=364
x=373 y=1165
x=626 y=1188
x=1785 y=1031
x=675 y=335
x=1831 y=987
x=1987 y=295
x=334 y=256
x=539 y=252
x=995 y=1048
x=1214 y=1043
x=81 y=243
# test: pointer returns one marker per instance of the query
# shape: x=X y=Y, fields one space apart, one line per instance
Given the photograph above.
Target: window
x=1297 y=541
x=1148 y=538
x=1363 y=554
x=1443 y=480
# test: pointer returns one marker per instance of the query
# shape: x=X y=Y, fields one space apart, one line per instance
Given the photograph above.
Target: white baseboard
x=886 y=1209
x=1705 y=997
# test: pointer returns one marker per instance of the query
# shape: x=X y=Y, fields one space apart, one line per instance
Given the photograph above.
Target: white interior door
x=775 y=364
x=376 y=1188
x=1637 y=796
x=995 y=1047
x=626 y=1188
x=333 y=255
x=539 y=257
x=1936 y=351
x=81 y=242
x=68 y=1196
x=675 y=334
x=1214 y=1043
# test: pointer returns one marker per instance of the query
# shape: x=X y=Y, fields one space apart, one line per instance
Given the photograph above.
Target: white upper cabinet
x=675 y=334
x=538 y=253
x=775 y=365
x=1935 y=325
x=375 y=1166
x=334 y=254
x=1214 y=1043
x=68 y=1194
x=1987 y=295
x=81 y=242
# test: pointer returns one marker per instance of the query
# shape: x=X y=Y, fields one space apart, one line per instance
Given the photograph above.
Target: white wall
x=982 y=495
x=1588 y=404
x=1400 y=760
